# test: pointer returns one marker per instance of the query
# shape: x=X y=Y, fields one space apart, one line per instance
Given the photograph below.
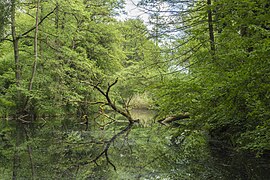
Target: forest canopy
x=202 y=66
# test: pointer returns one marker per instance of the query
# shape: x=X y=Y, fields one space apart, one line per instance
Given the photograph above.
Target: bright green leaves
x=78 y=41
x=226 y=93
x=140 y=56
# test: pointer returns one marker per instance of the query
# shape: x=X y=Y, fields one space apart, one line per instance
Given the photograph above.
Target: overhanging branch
x=123 y=112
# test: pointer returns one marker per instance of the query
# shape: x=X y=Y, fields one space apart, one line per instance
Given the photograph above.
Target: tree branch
x=110 y=103
x=124 y=113
x=6 y=38
x=108 y=144
x=34 y=27
x=170 y=119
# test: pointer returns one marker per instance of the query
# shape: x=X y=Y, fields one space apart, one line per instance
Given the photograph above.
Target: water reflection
x=63 y=149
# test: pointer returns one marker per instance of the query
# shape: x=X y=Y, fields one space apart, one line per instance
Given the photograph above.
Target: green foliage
x=225 y=90
x=226 y=93
x=77 y=45
x=4 y=15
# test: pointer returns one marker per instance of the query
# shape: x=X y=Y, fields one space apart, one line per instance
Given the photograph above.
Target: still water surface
x=63 y=149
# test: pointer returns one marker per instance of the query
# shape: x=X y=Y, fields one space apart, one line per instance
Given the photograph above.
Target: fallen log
x=166 y=121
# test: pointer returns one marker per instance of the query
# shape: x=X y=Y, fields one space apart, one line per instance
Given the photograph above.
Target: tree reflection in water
x=62 y=149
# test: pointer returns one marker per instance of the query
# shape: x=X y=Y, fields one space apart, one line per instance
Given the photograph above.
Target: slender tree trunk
x=57 y=16
x=34 y=68
x=40 y=42
x=210 y=27
x=15 y=43
x=17 y=68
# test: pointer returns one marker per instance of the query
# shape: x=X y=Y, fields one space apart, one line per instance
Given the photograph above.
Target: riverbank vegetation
x=204 y=64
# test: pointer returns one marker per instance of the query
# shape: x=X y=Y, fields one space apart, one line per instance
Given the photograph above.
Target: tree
x=87 y=48
x=219 y=92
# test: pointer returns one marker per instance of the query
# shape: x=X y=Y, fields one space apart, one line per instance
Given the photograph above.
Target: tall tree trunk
x=34 y=68
x=40 y=41
x=210 y=27
x=17 y=70
x=15 y=43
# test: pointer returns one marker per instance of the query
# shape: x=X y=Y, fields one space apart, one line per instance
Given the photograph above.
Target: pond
x=63 y=148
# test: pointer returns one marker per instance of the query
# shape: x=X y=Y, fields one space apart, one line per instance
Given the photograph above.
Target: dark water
x=64 y=149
